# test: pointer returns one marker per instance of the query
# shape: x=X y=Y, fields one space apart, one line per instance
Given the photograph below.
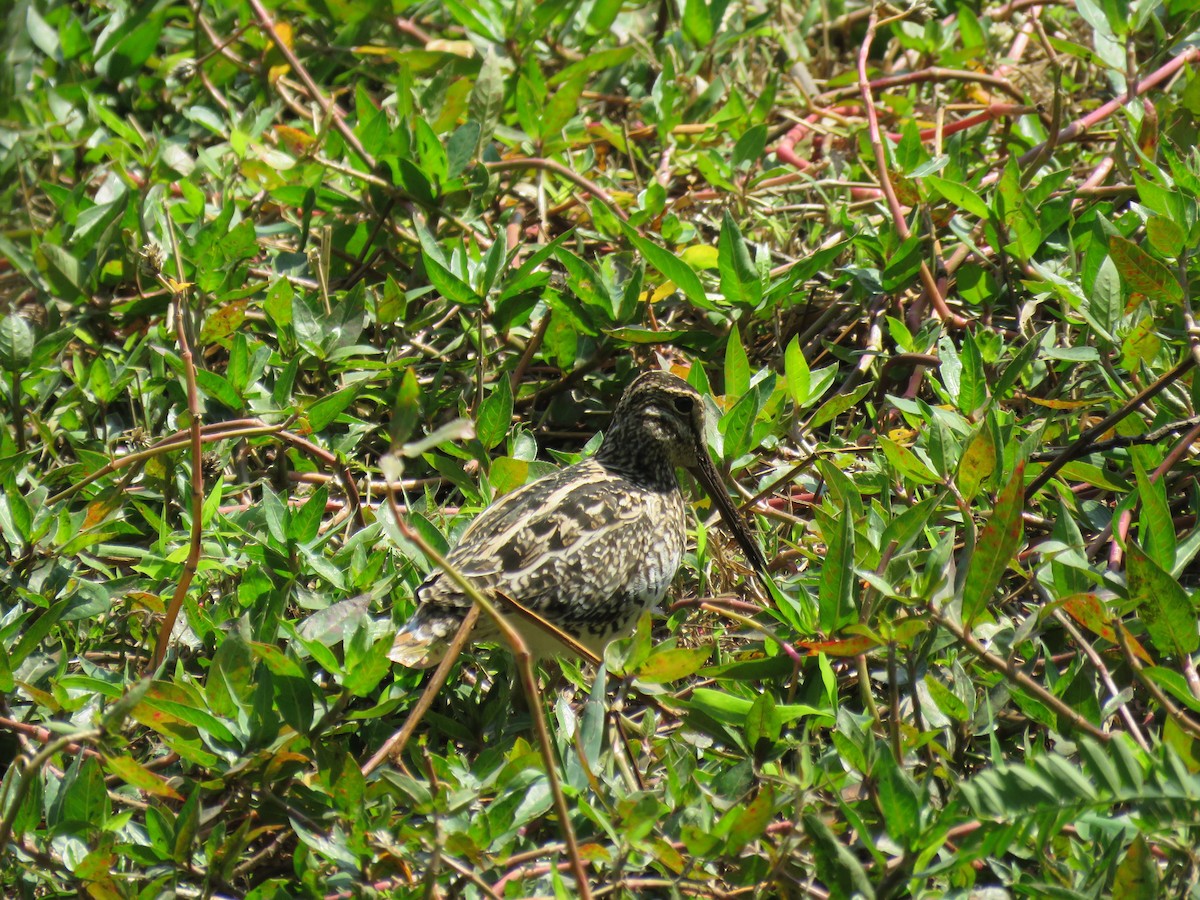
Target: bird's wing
x=569 y=540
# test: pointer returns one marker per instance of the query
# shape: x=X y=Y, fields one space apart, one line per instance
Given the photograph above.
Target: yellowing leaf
x=664 y=290
x=135 y=774
x=672 y=664
x=1061 y=404
x=296 y=141
x=853 y=646
x=700 y=256
x=97 y=512
x=224 y=322
x=465 y=49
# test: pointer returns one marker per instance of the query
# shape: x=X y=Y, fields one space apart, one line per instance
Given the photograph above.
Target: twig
x=1085 y=441
x=192 y=563
x=30 y=770
x=216 y=431
x=537 y=162
x=1125 y=440
x=327 y=107
x=1185 y=722
x=1010 y=670
x=885 y=181
x=1172 y=459
x=225 y=431
x=1081 y=125
x=1105 y=676
x=529 y=681
x=394 y=746
x=933 y=73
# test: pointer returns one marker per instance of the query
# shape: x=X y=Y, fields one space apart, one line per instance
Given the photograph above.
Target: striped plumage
x=587 y=548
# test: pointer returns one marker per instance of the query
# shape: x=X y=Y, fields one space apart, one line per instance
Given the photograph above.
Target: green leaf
x=947 y=701
x=16 y=344
x=600 y=61
x=972 y=391
x=430 y=152
x=837 y=867
x=960 y=195
x=1137 y=874
x=908 y=464
x=82 y=798
x=909 y=525
x=322 y=413
x=1165 y=235
x=584 y=280
x=1156 y=528
x=406 y=410
x=997 y=544
x=230 y=678
x=797 y=373
x=66 y=274
x=731 y=710
x=159 y=701
x=136 y=775
x=366 y=661
x=443 y=280
x=637 y=335
x=836 y=405
x=749 y=149
x=187 y=821
x=1165 y=607
x=305 y=522
x=33 y=634
x=487 y=97
x=977 y=462
x=763 y=722
x=126 y=48
x=495 y=414
x=276 y=516
x=1105 y=304
x=740 y=282
x=94 y=229
x=563 y=105
x=673 y=268
x=903 y=265
x=294 y=697
x=1175 y=684
x=461 y=147
x=899 y=800
x=697 y=23
x=6 y=675
x=737 y=365
x=836 y=590
x=737 y=425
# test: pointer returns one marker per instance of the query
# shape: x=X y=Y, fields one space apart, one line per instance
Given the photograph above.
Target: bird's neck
x=639 y=458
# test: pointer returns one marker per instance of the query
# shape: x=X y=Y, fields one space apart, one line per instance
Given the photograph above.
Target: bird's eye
x=683 y=405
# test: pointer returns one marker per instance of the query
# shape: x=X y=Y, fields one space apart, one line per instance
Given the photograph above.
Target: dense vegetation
x=291 y=293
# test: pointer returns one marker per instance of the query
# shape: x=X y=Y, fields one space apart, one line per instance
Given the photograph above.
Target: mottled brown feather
x=587 y=548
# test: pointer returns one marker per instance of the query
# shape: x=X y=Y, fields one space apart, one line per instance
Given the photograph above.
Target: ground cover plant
x=292 y=291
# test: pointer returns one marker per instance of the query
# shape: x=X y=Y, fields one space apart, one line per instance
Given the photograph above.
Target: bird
x=587 y=548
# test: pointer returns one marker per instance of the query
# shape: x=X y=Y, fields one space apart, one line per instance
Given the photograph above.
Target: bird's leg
x=529 y=678
x=622 y=752
x=549 y=627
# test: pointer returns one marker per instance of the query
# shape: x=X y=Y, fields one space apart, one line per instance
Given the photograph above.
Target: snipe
x=590 y=547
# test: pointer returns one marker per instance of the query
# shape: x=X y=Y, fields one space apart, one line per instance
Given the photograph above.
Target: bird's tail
x=423 y=641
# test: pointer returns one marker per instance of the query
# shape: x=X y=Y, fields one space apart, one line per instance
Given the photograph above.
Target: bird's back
x=587 y=548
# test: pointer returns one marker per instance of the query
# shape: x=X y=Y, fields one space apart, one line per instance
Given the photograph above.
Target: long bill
x=707 y=473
